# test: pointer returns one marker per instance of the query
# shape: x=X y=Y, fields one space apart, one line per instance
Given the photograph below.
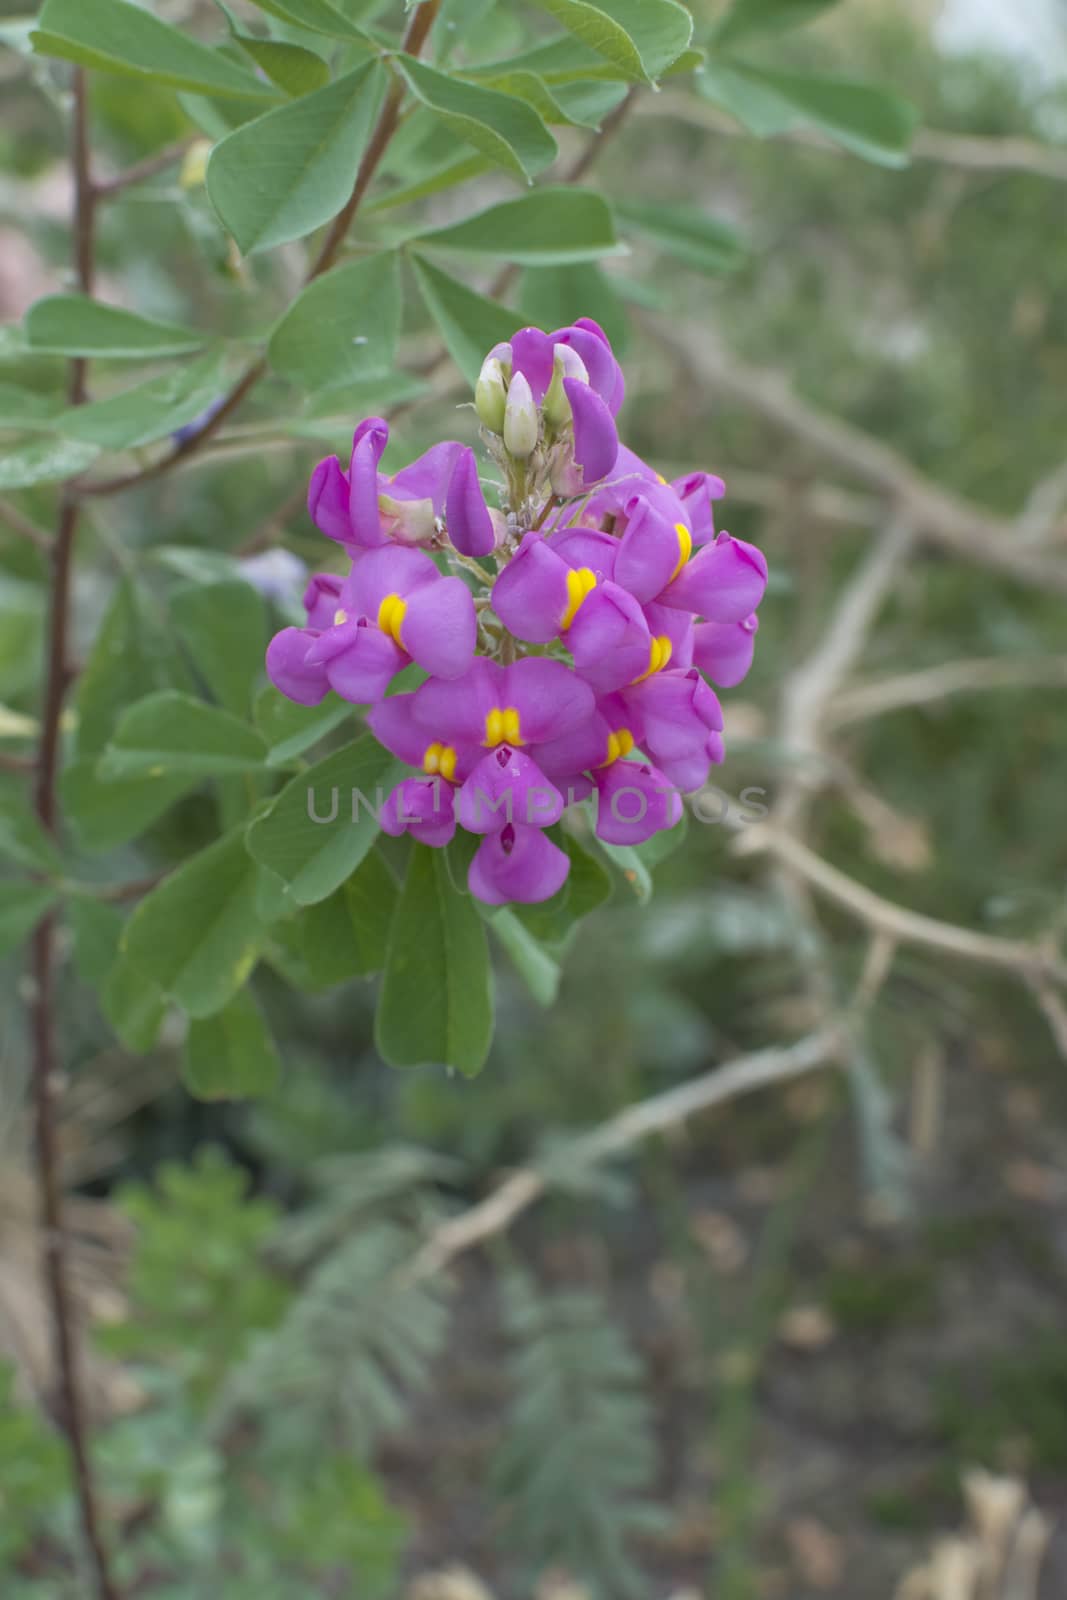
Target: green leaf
x=45 y=461
x=552 y=297
x=231 y=1055
x=117 y=37
x=75 y=325
x=870 y=121
x=170 y=735
x=750 y=18
x=128 y=659
x=22 y=905
x=535 y=966
x=632 y=867
x=318 y=16
x=134 y=1007
x=97 y=929
x=507 y=130
x=588 y=886
x=531 y=88
x=343 y=327
x=149 y=410
x=345 y=936
x=688 y=234
x=436 y=1003
x=197 y=935
x=290 y=729
x=549 y=225
x=469 y=323
x=287 y=172
x=224 y=626
x=290 y=66
x=639 y=37
x=346 y=792
x=107 y=814
x=23 y=841
x=445 y=177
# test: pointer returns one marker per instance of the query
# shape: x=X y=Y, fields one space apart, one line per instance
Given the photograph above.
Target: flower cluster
x=567 y=638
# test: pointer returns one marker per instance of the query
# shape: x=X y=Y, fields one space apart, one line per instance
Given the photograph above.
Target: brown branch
x=414 y=39
x=139 y=171
x=658 y=1114
x=950 y=520
x=43 y=1007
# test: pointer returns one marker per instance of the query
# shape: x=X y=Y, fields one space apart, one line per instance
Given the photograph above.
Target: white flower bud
x=490 y=395
x=521 y=423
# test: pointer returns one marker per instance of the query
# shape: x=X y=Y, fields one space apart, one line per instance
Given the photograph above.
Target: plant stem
x=414 y=39
x=56 y=1267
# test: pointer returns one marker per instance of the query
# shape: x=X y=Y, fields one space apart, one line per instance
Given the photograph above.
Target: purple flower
x=364 y=508
x=724 y=650
x=470 y=523
x=517 y=863
x=629 y=614
x=724 y=582
x=428 y=616
x=520 y=705
x=508 y=786
x=696 y=491
x=423 y=807
x=634 y=801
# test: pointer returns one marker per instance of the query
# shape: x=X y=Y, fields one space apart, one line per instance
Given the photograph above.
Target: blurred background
x=788 y=1349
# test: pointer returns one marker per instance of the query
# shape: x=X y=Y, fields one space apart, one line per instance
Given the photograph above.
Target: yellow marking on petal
x=439 y=760
x=620 y=743
x=659 y=653
x=581 y=582
x=660 y=478
x=339 y=616
x=391 y=614
x=685 y=548
x=502 y=727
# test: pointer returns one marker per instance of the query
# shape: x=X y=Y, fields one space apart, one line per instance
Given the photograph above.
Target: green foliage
x=547 y=226
x=284 y=174
x=437 y=998
x=354 y=1346
x=230 y=1055
x=74 y=325
x=642 y=38
x=116 y=36
x=575 y=1463
x=197 y=1291
x=504 y=128
x=314 y=345
x=168 y=734
x=321 y=825
x=197 y=936
x=35 y=1470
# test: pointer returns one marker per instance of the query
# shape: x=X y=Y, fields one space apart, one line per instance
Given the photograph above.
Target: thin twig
x=43 y=1006
x=140 y=171
x=952 y=521
x=907 y=927
x=636 y=1123
x=969 y=152
x=21 y=524
x=931 y=684
x=414 y=39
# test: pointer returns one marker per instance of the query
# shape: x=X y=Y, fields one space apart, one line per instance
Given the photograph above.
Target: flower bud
x=566 y=364
x=490 y=395
x=520 y=419
x=407 y=521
